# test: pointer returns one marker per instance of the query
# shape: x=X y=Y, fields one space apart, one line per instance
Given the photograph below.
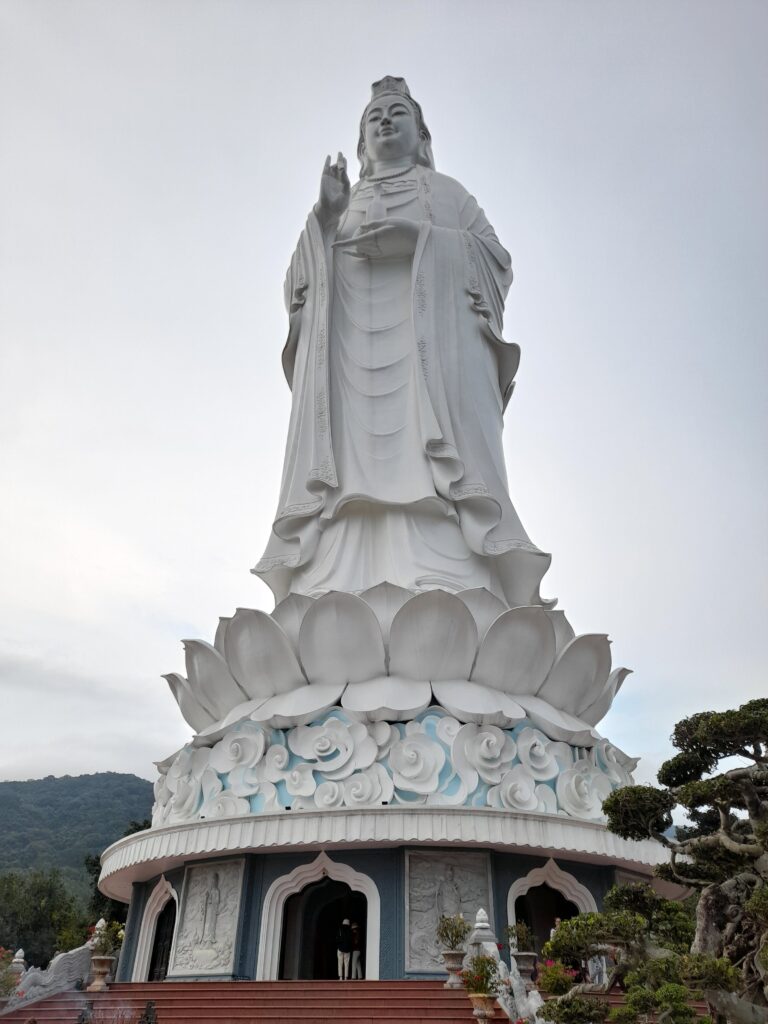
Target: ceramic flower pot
x=525 y=964
x=484 y=1005
x=101 y=967
x=453 y=960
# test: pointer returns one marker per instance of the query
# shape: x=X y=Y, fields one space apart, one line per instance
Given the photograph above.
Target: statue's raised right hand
x=334 y=191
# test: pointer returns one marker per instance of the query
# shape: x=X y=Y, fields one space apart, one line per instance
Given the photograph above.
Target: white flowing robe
x=394 y=468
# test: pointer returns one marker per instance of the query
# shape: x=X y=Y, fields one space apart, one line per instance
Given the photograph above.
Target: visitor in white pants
x=357 y=971
x=344 y=948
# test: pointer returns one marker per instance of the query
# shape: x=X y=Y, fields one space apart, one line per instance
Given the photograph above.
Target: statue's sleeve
x=489 y=272
x=295 y=295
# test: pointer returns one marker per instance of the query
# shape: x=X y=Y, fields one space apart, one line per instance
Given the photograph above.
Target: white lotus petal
x=600 y=707
x=259 y=655
x=237 y=714
x=433 y=637
x=387 y=699
x=300 y=706
x=386 y=600
x=340 y=641
x=564 y=631
x=289 y=615
x=209 y=678
x=473 y=702
x=579 y=674
x=517 y=652
x=193 y=712
x=221 y=632
x=558 y=725
x=485 y=607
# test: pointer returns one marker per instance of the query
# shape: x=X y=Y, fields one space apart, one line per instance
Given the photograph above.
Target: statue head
x=393 y=126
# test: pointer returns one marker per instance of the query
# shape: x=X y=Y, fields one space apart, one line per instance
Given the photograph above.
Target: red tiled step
x=287 y=1002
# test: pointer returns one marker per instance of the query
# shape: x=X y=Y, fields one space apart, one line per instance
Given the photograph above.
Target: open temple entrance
x=539 y=907
x=311 y=920
x=161 y=945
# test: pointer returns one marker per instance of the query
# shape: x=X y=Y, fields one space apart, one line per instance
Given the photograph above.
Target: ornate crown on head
x=388 y=85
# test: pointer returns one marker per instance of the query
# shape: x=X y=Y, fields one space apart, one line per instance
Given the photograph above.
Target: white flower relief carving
x=371 y=786
x=329 y=794
x=485 y=751
x=334 y=748
x=615 y=764
x=416 y=762
x=434 y=760
x=518 y=791
x=582 y=789
x=544 y=758
x=299 y=780
x=244 y=746
x=184 y=781
x=218 y=803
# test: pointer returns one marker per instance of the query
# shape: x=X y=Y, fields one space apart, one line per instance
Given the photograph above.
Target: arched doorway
x=278 y=894
x=539 y=908
x=151 y=954
x=555 y=892
x=311 y=920
x=161 y=947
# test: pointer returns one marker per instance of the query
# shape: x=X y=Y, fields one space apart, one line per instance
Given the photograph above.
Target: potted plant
x=522 y=948
x=105 y=945
x=481 y=979
x=452 y=934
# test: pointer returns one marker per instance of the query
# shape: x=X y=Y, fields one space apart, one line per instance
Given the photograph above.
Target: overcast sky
x=157 y=161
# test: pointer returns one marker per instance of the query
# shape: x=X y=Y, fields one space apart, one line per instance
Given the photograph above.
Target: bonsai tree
x=646 y=938
x=720 y=778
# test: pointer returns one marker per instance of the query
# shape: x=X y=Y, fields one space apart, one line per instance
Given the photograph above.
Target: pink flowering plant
x=555 y=978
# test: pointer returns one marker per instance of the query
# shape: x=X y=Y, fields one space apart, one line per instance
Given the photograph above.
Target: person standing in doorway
x=344 y=948
x=357 y=971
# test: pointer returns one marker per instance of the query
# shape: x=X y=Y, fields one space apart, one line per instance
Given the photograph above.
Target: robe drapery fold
x=450 y=374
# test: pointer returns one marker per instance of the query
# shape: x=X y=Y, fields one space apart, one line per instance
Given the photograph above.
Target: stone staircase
x=260 y=1002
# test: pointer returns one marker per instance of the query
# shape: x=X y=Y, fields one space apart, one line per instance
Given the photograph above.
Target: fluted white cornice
x=144 y=855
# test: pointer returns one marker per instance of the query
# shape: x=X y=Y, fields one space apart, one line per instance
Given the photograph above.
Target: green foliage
x=578 y=937
x=637 y=812
x=555 y=978
x=481 y=976
x=521 y=934
x=55 y=822
x=718 y=734
x=8 y=978
x=757 y=905
x=34 y=910
x=707 y=972
x=53 y=831
x=578 y=1010
x=452 y=931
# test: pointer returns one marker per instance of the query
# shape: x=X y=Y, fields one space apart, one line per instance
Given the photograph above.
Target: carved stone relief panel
x=210 y=905
x=438 y=883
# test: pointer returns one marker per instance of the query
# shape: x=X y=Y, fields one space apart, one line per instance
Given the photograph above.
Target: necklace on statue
x=392 y=174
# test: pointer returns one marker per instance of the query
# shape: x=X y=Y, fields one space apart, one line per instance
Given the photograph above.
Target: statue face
x=390 y=128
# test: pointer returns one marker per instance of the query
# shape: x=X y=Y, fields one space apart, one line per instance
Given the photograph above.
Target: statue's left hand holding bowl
x=392 y=238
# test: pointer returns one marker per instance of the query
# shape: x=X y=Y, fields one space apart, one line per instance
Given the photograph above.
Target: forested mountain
x=56 y=822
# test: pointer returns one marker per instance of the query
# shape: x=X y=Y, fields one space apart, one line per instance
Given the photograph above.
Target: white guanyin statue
x=410 y=658
x=394 y=468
